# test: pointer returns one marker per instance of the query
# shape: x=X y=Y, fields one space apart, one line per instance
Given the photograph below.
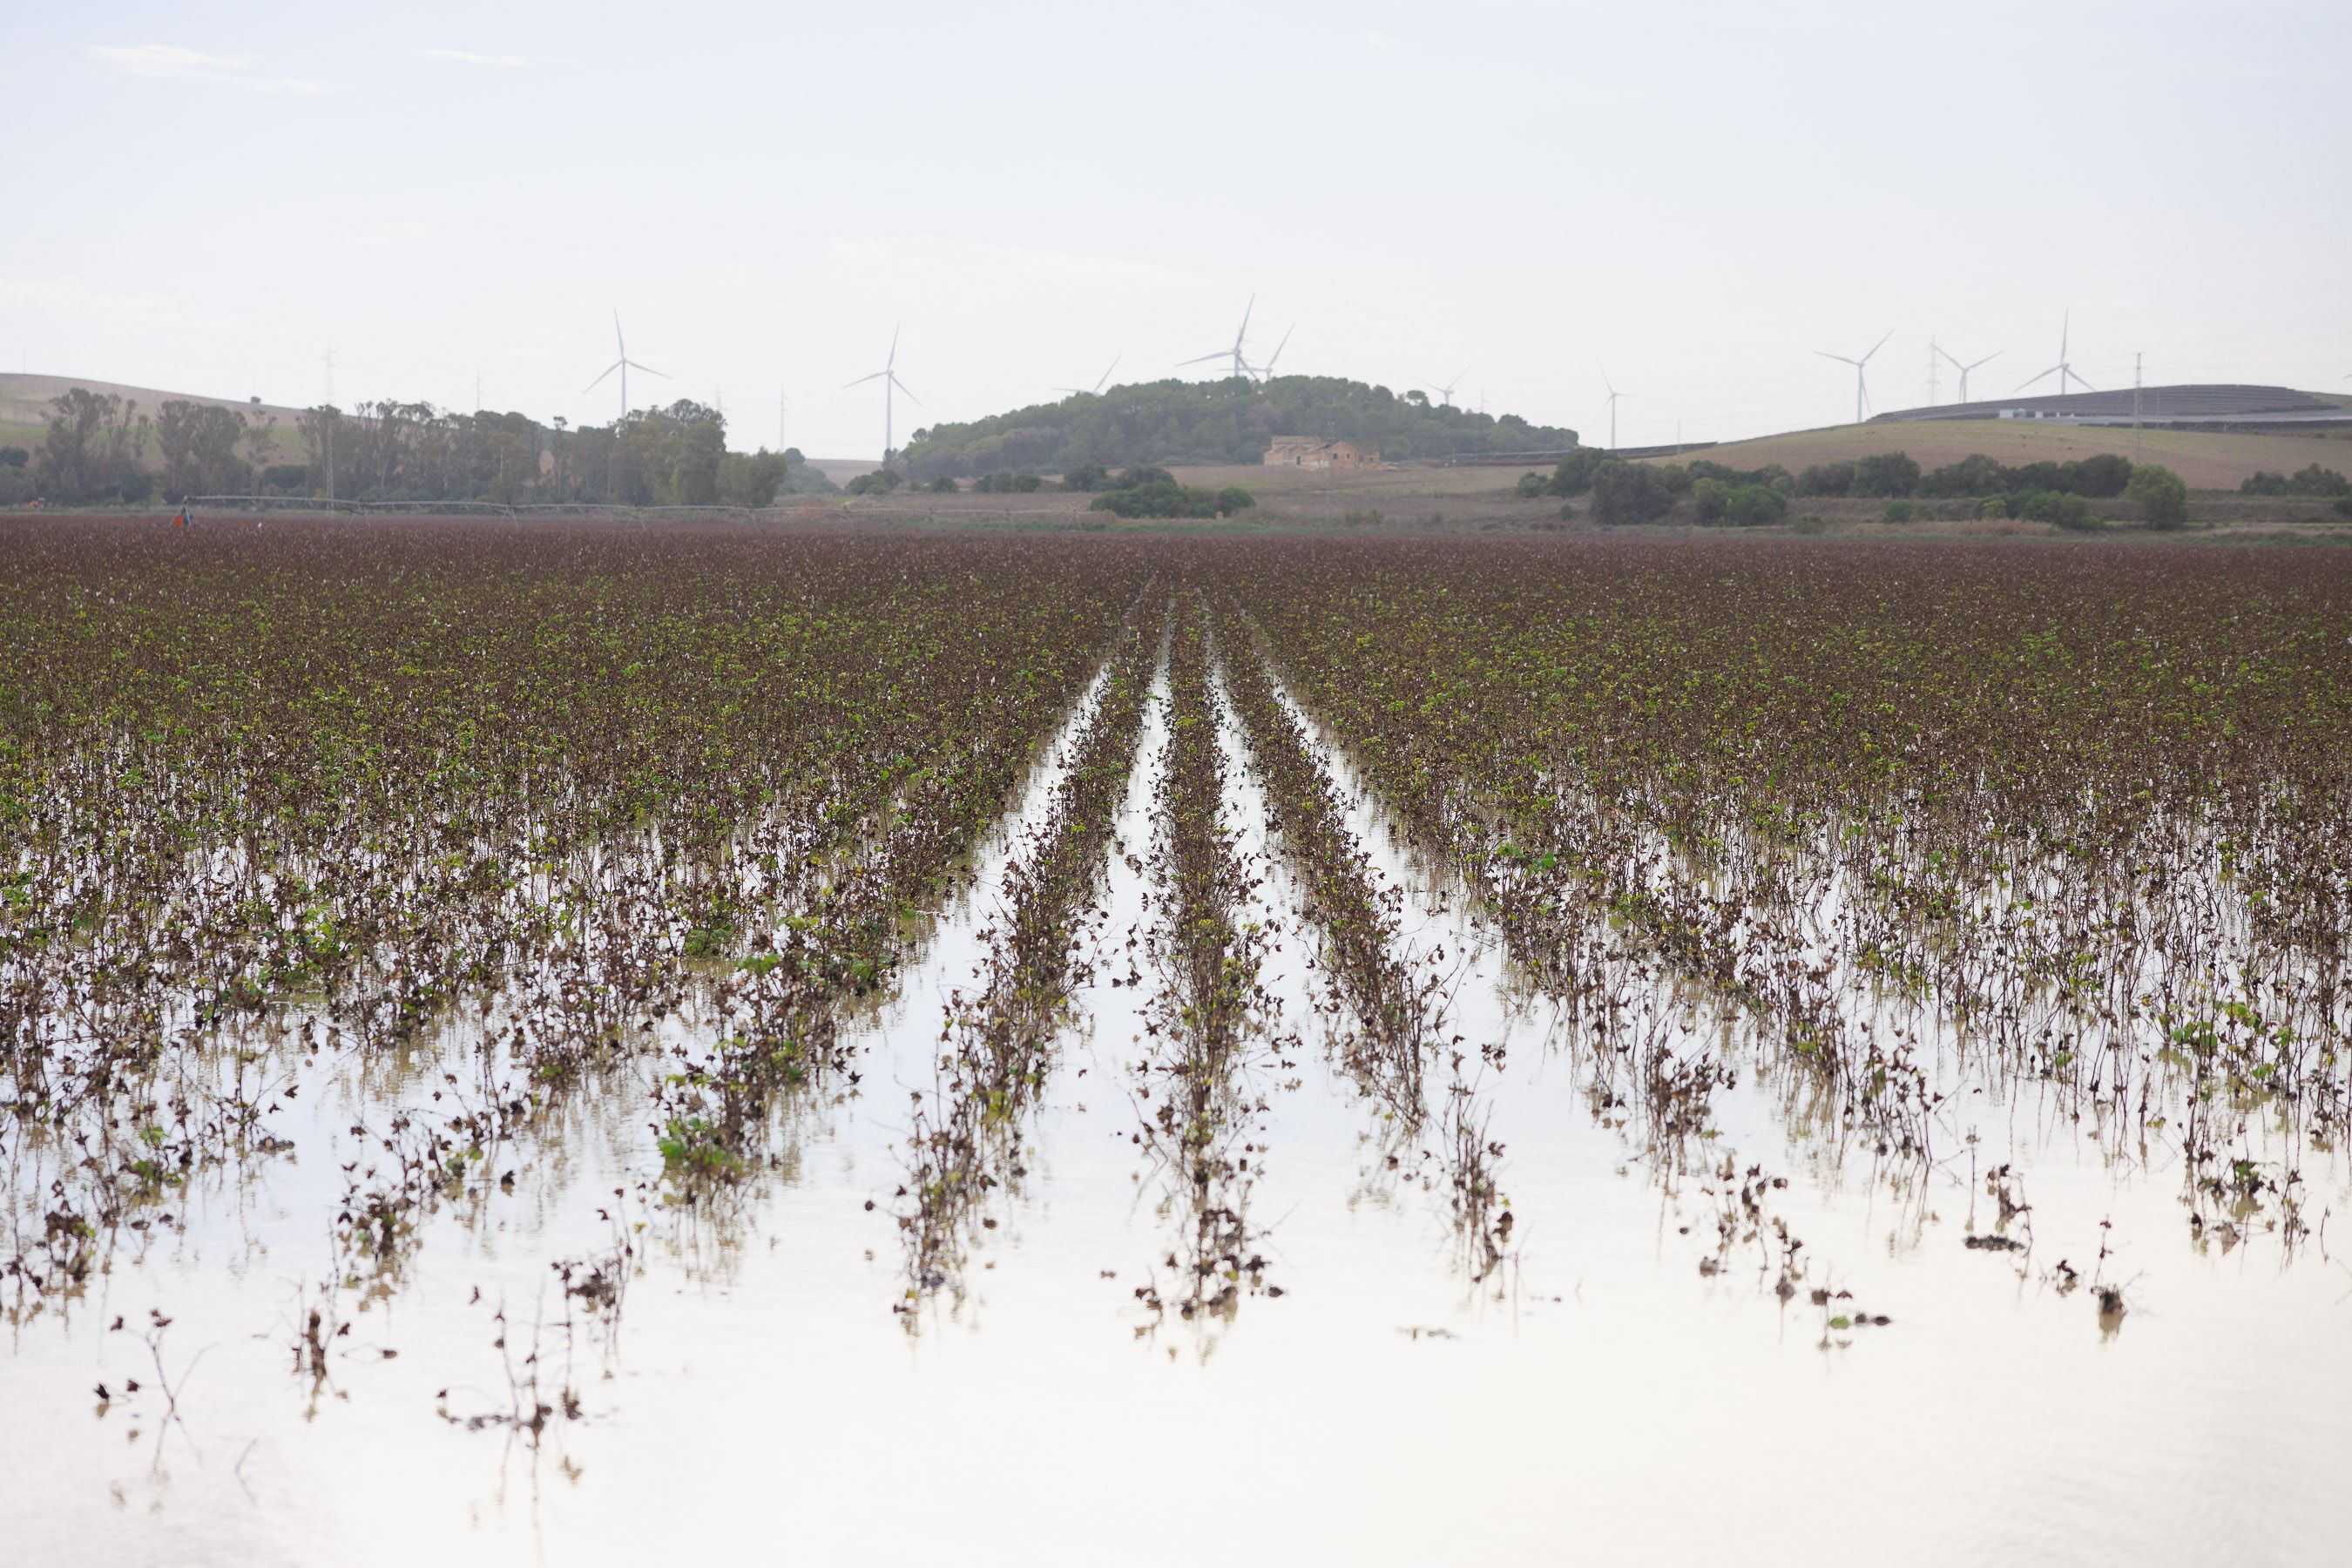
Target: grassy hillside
x=24 y=410
x=2207 y=460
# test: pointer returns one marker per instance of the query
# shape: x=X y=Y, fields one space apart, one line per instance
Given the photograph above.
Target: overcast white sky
x=1695 y=196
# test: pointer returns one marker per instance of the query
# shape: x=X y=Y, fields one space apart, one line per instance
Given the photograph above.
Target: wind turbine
x=1241 y=364
x=1095 y=390
x=2065 y=368
x=1614 y=396
x=624 y=364
x=1860 y=391
x=888 y=376
x=1266 y=371
x=1444 y=390
x=1964 y=369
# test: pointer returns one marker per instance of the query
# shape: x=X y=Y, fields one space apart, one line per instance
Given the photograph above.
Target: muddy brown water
x=1596 y=1395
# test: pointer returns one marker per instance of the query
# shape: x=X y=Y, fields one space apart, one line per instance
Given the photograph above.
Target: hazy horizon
x=1699 y=197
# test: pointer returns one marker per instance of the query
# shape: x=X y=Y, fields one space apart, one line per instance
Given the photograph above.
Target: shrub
x=1708 y=496
x=2103 y=476
x=1086 y=476
x=879 y=482
x=1974 y=475
x=2260 y=483
x=1142 y=474
x=1885 y=474
x=2063 y=508
x=1573 y=477
x=1905 y=512
x=2161 y=495
x=1166 y=498
x=14 y=456
x=2315 y=481
x=1531 y=486
x=1233 y=499
x=2344 y=506
x=287 y=478
x=1003 y=484
x=1628 y=493
x=1826 y=479
x=942 y=485
x=1755 y=506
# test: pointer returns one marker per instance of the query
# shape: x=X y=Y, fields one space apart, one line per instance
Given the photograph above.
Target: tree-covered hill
x=1229 y=421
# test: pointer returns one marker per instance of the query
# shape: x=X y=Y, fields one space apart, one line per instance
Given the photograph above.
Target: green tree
x=1626 y=493
x=1885 y=474
x=2161 y=495
x=1755 y=506
x=90 y=452
x=1709 y=497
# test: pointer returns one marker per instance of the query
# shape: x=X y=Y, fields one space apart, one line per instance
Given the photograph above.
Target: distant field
x=2207 y=460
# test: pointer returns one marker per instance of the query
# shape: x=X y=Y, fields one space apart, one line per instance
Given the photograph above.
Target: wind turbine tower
x=2063 y=369
x=1964 y=369
x=1614 y=396
x=888 y=376
x=624 y=364
x=1861 y=391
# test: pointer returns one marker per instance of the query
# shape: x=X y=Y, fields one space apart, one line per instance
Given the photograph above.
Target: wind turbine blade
x=902 y=386
x=861 y=379
x=1840 y=358
x=2078 y=377
x=1875 y=347
x=617 y=333
x=1245 y=316
x=648 y=370
x=894 y=350
x=1221 y=354
x=1278 y=351
x=2051 y=372
x=1106 y=375
x=608 y=370
x=1987 y=360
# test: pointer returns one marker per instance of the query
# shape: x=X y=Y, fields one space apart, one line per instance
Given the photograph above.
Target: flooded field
x=575 y=1045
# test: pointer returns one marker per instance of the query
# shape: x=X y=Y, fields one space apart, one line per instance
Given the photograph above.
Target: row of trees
x=96 y=450
x=1230 y=421
x=676 y=455
x=2101 y=476
x=2311 y=480
x=1624 y=493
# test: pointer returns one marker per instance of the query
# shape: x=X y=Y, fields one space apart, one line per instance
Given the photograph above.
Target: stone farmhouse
x=1312 y=452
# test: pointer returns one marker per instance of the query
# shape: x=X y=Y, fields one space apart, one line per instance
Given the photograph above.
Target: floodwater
x=768 y=1387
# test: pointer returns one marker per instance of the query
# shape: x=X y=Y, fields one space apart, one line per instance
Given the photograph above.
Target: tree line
x=2060 y=493
x=1234 y=420
x=95 y=451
